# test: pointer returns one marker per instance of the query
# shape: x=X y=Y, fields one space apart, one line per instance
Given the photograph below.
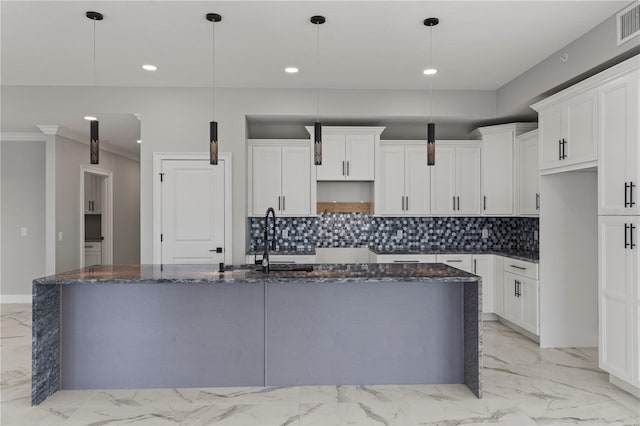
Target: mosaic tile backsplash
x=381 y=233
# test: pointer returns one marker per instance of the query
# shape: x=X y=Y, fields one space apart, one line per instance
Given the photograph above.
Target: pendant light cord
x=431 y=77
x=317 y=73
x=213 y=70
x=94 y=56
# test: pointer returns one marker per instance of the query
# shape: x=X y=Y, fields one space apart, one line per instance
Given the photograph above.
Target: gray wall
x=70 y=155
x=22 y=176
x=176 y=120
x=586 y=52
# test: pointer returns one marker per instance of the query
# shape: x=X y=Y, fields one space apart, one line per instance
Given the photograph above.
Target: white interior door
x=193 y=211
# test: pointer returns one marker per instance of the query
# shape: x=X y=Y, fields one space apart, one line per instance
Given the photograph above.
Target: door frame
x=107 y=212
x=158 y=158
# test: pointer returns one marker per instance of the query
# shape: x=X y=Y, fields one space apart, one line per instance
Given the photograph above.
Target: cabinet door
x=497 y=174
x=267 y=179
x=468 y=180
x=296 y=180
x=417 y=180
x=529 y=175
x=483 y=266
x=529 y=297
x=443 y=180
x=550 y=121
x=616 y=296
x=618 y=152
x=391 y=181
x=360 y=157
x=580 y=134
x=97 y=194
x=512 y=303
x=333 y=158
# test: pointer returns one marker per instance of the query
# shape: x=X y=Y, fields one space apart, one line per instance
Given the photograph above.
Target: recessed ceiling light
x=291 y=70
x=149 y=67
x=90 y=118
x=430 y=71
x=139 y=141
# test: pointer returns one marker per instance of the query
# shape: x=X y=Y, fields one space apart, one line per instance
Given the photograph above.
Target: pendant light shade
x=213 y=125
x=317 y=127
x=94 y=144
x=213 y=143
x=430 y=72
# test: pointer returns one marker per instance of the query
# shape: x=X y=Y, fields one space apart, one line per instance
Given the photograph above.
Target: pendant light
x=94 y=144
x=213 y=125
x=317 y=127
x=430 y=72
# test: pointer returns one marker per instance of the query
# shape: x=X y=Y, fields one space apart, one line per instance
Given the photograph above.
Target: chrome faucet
x=265 y=238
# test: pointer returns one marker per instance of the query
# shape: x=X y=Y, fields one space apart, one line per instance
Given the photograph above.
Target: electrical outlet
x=485 y=233
x=399 y=233
x=535 y=235
x=23 y=232
x=285 y=233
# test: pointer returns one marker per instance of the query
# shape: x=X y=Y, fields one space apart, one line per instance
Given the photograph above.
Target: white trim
x=627 y=387
x=519 y=128
x=279 y=142
x=17 y=137
x=106 y=211
x=158 y=157
x=15 y=298
x=48 y=129
x=587 y=167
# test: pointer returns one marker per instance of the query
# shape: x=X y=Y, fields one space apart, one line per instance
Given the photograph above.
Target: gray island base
x=153 y=326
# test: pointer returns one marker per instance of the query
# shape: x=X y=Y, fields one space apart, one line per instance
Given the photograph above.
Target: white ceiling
x=365 y=44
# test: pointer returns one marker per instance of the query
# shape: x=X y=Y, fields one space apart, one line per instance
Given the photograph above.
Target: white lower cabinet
x=92 y=254
x=521 y=295
x=619 y=297
x=484 y=266
x=460 y=261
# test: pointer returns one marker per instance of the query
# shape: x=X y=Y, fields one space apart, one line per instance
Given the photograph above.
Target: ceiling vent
x=628 y=20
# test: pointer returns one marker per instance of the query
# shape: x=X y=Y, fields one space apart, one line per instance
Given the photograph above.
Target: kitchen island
x=162 y=326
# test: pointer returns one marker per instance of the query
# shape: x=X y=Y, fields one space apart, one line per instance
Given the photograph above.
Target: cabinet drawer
x=284 y=258
x=92 y=247
x=405 y=258
x=520 y=267
x=460 y=261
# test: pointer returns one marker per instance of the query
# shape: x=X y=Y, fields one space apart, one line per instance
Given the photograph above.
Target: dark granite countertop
x=158 y=274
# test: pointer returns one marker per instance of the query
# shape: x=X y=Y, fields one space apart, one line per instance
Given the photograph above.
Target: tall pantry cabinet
x=618 y=224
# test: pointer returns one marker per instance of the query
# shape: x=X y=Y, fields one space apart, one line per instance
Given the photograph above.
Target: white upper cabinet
x=402 y=180
x=619 y=153
x=528 y=174
x=455 y=179
x=92 y=193
x=568 y=130
x=499 y=161
x=281 y=176
x=348 y=153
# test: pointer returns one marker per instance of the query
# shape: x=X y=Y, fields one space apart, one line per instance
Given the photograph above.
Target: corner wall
x=22 y=176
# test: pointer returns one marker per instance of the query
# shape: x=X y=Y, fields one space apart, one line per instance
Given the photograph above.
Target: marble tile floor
x=524 y=385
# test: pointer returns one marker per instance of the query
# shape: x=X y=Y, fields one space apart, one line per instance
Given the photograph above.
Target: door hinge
x=161 y=177
x=161 y=237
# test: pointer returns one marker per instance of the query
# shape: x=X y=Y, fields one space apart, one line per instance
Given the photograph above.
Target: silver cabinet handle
x=402 y=202
x=454 y=203
x=343 y=169
x=458 y=197
x=484 y=203
x=453 y=261
x=537 y=201
x=406 y=203
x=279 y=204
x=518 y=267
x=283 y=203
x=475 y=265
x=348 y=167
x=406 y=261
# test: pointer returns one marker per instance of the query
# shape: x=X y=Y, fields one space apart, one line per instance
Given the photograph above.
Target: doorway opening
x=96 y=213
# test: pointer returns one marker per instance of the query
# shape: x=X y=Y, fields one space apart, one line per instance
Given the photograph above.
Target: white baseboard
x=624 y=386
x=15 y=298
x=489 y=317
x=519 y=329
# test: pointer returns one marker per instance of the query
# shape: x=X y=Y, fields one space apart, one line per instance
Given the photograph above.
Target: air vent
x=628 y=20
